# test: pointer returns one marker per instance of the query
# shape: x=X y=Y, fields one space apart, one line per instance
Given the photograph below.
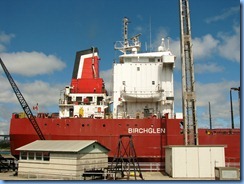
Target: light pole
x=231 y=106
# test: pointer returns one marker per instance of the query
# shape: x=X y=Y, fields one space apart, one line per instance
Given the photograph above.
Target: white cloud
x=6 y=94
x=227 y=13
x=43 y=93
x=31 y=63
x=230 y=46
x=35 y=92
x=5 y=116
x=161 y=33
x=5 y=39
x=107 y=77
x=226 y=46
x=4 y=128
x=204 y=47
x=208 y=68
x=218 y=94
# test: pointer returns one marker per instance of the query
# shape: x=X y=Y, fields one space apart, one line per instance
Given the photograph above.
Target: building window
x=99 y=100
x=46 y=156
x=31 y=155
x=153 y=82
x=41 y=156
x=138 y=68
x=79 y=99
x=23 y=155
x=38 y=155
x=123 y=82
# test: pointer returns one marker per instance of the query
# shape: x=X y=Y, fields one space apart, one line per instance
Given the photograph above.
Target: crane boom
x=188 y=79
x=23 y=102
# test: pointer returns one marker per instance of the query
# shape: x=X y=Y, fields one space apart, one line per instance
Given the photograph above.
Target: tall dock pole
x=188 y=79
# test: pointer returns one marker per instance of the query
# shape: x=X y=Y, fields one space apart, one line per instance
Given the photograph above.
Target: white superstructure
x=142 y=82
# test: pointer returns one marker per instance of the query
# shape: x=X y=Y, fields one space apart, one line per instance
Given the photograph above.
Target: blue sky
x=39 y=39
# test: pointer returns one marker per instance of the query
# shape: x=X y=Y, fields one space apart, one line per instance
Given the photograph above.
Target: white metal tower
x=188 y=81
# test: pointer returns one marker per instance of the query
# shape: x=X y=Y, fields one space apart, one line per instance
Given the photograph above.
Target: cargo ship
x=141 y=105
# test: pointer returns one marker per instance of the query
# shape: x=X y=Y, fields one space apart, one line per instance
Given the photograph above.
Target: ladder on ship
x=125 y=161
x=23 y=102
x=188 y=79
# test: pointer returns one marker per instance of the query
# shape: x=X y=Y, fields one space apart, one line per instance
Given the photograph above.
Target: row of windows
x=85 y=100
x=42 y=156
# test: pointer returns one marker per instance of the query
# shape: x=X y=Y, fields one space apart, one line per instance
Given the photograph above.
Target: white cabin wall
x=167 y=85
x=138 y=73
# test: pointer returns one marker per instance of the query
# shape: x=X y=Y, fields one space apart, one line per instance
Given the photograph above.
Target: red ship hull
x=150 y=136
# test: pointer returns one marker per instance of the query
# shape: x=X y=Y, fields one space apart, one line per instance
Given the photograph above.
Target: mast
x=132 y=45
x=188 y=80
x=126 y=42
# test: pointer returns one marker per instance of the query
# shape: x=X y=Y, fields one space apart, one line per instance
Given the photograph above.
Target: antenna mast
x=188 y=80
x=126 y=22
x=127 y=45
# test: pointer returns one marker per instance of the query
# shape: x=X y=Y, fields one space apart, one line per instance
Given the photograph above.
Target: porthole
x=104 y=125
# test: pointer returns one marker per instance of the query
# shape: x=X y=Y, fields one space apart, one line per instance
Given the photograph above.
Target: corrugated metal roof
x=58 y=145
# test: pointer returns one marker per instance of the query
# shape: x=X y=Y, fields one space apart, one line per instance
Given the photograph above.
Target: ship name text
x=146 y=130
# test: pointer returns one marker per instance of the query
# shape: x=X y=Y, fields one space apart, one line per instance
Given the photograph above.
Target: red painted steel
x=148 y=141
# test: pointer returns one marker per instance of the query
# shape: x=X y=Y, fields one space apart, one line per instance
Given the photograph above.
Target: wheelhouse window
x=99 y=100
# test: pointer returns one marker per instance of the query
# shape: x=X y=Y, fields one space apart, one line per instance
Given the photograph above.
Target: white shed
x=61 y=159
x=193 y=161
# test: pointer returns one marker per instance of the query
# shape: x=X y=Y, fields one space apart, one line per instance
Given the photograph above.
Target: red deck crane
x=23 y=102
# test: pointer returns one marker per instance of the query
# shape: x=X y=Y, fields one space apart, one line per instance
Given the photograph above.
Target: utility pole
x=188 y=79
x=210 y=117
x=231 y=106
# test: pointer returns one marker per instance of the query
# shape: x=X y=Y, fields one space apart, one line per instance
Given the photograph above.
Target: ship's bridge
x=152 y=57
x=143 y=79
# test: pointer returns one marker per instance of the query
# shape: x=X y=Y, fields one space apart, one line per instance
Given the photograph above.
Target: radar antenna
x=125 y=45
